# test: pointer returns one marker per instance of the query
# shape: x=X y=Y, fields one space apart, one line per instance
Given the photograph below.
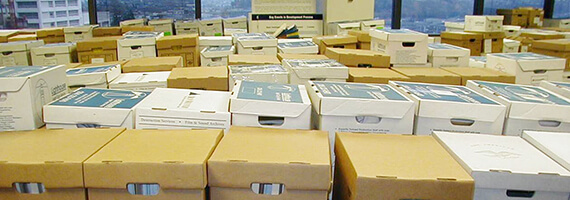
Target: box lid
x=215 y=41
x=209 y=22
x=375 y=73
x=296 y=44
x=174 y=41
x=269 y=99
x=482 y=59
x=554 y=45
x=153 y=63
x=461 y=36
x=132 y=22
x=487 y=17
x=84 y=76
x=349 y=25
x=79 y=29
x=160 y=22
x=337 y=39
x=505 y=162
x=256 y=69
x=512 y=12
x=138 y=40
x=55 y=48
x=5 y=34
x=358 y=99
x=51 y=157
x=141 y=78
x=424 y=72
x=107 y=31
x=373 y=23
x=532 y=61
x=511 y=43
x=552 y=144
x=218 y=51
x=98 y=43
x=380 y=160
x=50 y=32
x=359 y=57
x=257 y=41
x=12 y=79
x=299 y=159
x=361 y=36
x=542 y=35
x=240 y=59
x=398 y=35
x=456 y=25
x=471 y=72
x=316 y=68
x=167 y=99
x=199 y=73
x=287 y=56
x=236 y=19
x=447 y=50
x=20 y=45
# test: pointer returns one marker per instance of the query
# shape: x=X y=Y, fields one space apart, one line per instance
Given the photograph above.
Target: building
x=50 y=13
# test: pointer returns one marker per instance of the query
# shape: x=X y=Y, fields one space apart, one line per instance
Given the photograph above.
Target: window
x=46 y=4
x=225 y=8
x=33 y=25
x=27 y=4
x=73 y=13
x=120 y=10
x=60 y=4
x=74 y=22
x=491 y=6
x=562 y=9
x=30 y=15
x=61 y=13
x=62 y=24
x=49 y=24
x=428 y=16
x=72 y=3
x=383 y=10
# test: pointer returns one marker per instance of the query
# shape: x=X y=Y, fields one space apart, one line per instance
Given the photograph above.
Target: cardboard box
x=309 y=25
x=30 y=170
x=512 y=31
x=78 y=33
x=429 y=75
x=187 y=27
x=180 y=45
x=258 y=73
x=237 y=59
x=529 y=68
x=163 y=25
x=18 y=53
x=142 y=82
x=446 y=55
x=542 y=35
x=204 y=78
x=404 y=46
x=515 y=17
x=51 y=35
x=372 y=24
x=452 y=108
x=167 y=108
x=361 y=36
x=478 y=61
x=301 y=169
x=285 y=56
x=72 y=65
x=283 y=7
x=484 y=23
x=471 y=41
x=153 y=64
x=97 y=50
x=133 y=22
x=261 y=45
x=270 y=105
x=530 y=107
x=29 y=37
x=107 y=31
x=506 y=167
x=230 y=31
x=337 y=11
x=173 y=165
x=209 y=41
x=535 y=17
x=359 y=58
x=374 y=75
x=235 y=23
x=93 y=108
x=566 y=77
x=362 y=157
x=126 y=29
x=137 y=45
x=211 y=27
x=216 y=56
x=24 y=91
x=558 y=48
x=93 y=77
x=552 y=144
x=511 y=46
x=295 y=46
x=342 y=28
x=492 y=42
x=560 y=88
x=302 y=71
x=335 y=41
x=558 y=23
x=480 y=74
x=454 y=26
x=5 y=34
x=54 y=54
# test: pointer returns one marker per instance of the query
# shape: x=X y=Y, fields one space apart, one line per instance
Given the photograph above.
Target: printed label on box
x=488 y=46
x=21 y=71
x=50 y=61
x=100 y=98
x=8 y=61
x=270 y=92
x=78 y=71
x=137 y=54
x=446 y=93
x=524 y=93
x=97 y=60
x=359 y=91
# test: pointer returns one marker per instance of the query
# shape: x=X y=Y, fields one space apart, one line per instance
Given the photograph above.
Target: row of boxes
x=209 y=27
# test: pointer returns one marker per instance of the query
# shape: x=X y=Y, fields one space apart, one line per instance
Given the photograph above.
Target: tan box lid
x=73 y=65
x=26 y=37
x=208 y=78
x=481 y=74
x=374 y=75
x=461 y=36
x=4 y=35
x=102 y=43
x=359 y=57
x=50 y=32
x=173 y=41
x=174 y=159
x=125 y=29
x=51 y=157
x=153 y=64
x=554 y=45
x=361 y=36
x=429 y=75
x=240 y=59
x=330 y=40
x=160 y=21
x=282 y=56
x=542 y=35
x=380 y=166
x=299 y=159
x=490 y=35
x=107 y=31
x=199 y=72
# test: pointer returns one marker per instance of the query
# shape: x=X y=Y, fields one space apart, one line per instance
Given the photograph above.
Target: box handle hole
x=408 y=44
x=365 y=65
x=540 y=71
x=368 y=119
x=136 y=47
x=29 y=188
x=273 y=189
x=144 y=189
x=549 y=123
x=520 y=193
x=257 y=48
x=462 y=122
x=271 y=121
x=7 y=53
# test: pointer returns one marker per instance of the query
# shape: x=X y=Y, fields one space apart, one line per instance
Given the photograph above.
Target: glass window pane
x=383 y=10
x=562 y=9
x=491 y=6
x=428 y=16
x=225 y=8
x=43 y=13
x=111 y=12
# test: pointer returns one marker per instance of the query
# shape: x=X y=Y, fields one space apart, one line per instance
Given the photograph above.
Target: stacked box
x=235 y=25
x=529 y=107
x=359 y=58
x=212 y=27
x=216 y=56
x=342 y=28
x=372 y=24
x=535 y=17
x=484 y=23
x=137 y=45
x=4 y=35
x=557 y=87
x=404 y=46
x=471 y=41
x=302 y=71
x=202 y=78
x=211 y=41
x=295 y=46
x=335 y=41
x=363 y=38
x=511 y=46
x=516 y=17
x=98 y=50
x=309 y=25
x=180 y=45
x=54 y=54
x=492 y=42
x=454 y=26
x=143 y=82
x=374 y=75
x=153 y=64
x=94 y=76
x=558 y=48
x=237 y=59
x=446 y=55
x=76 y=34
x=107 y=31
x=18 y=53
x=257 y=45
x=126 y=29
x=558 y=23
x=512 y=31
x=51 y=35
x=163 y=25
x=429 y=75
x=187 y=27
x=258 y=73
x=481 y=74
x=133 y=22
x=529 y=68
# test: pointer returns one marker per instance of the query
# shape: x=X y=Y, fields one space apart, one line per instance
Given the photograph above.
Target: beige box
x=211 y=27
x=454 y=26
x=335 y=41
x=5 y=34
x=516 y=17
x=257 y=45
x=511 y=46
x=359 y=58
x=187 y=27
x=214 y=41
x=216 y=56
x=309 y=25
x=27 y=37
x=471 y=41
x=558 y=48
x=97 y=50
x=137 y=45
x=404 y=46
x=342 y=28
x=237 y=59
x=235 y=23
x=484 y=23
x=512 y=31
x=283 y=7
x=337 y=11
x=203 y=78
x=54 y=54
x=558 y=23
x=143 y=81
x=446 y=55
x=133 y=22
x=79 y=33
x=180 y=45
x=302 y=71
x=372 y=24
x=18 y=53
x=481 y=74
x=153 y=64
x=297 y=46
x=51 y=35
x=429 y=75
x=98 y=76
x=107 y=31
x=529 y=68
x=162 y=25
x=374 y=75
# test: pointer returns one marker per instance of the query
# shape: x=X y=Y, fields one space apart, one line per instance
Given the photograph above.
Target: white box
x=235 y=23
x=343 y=28
x=23 y=93
x=230 y=31
x=258 y=73
x=484 y=23
x=297 y=46
x=187 y=27
x=216 y=56
x=260 y=45
x=142 y=82
x=336 y=11
x=137 y=45
x=167 y=108
x=511 y=46
x=283 y=7
x=309 y=25
x=302 y=71
x=454 y=26
x=93 y=77
x=529 y=107
x=452 y=108
x=447 y=55
x=558 y=23
x=507 y=167
x=560 y=88
x=372 y=24
x=404 y=46
x=512 y=31
x=478 y=61
x=54 y=54
x=529 y=68
x=211 y=27
x=214 y=41
x=78 y=33
x=235 y=36
x=93 y=108
x=162 y=25
x=270 y=105
x=554 y=145
x=18 y=53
